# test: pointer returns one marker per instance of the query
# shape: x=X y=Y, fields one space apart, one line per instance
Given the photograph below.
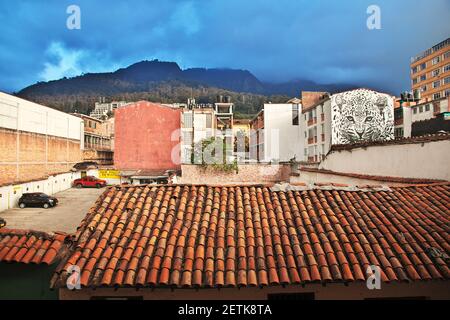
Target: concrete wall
x=335 y=291
x=23 y=115
x=36 y=141
x=428 y=160
x=320 y=177
x=10 y=194
x=247 y=173
x=28 y=156
x=282 y=140
x=146 y=136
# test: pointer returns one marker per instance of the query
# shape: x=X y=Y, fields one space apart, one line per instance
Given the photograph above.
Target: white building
x=275 y=133
x=203 y=121
x=346 y=118
x=104 y=109
x=405 y=116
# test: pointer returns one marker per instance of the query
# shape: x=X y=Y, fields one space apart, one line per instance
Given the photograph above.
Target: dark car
x=37 y=199
x=89 y=181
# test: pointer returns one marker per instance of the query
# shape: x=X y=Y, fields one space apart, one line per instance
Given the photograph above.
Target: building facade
x=147 y=139
x=97 y=144
x=36 y=141
x=345 y=118
x=204 y=121
x=421 y=115
x=430 y=72
x=275 y=133
x=104 y=110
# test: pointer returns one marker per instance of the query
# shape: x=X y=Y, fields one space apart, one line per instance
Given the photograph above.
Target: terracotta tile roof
x=31 y=247
x=199 y=236
x=420 y=139
x=374 y=177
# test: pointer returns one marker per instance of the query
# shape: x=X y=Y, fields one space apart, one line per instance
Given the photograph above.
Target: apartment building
x=203 y=121
x=104 y=110
x=430 y=72
x=275 y=133
x=412 y=119
x=96 y=142
x=344 y=118
x=147 y=141
x=36 y=141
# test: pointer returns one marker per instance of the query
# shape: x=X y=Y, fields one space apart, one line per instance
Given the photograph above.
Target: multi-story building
x=147 y=141
x=36 y=141
x=430 y=72
x=411 y=118
x=203 y=121
x=97 y=142
x=104 y=110
x=345 y=118
x=275 y=133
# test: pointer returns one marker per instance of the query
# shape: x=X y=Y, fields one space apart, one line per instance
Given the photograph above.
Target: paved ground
x=66 y=216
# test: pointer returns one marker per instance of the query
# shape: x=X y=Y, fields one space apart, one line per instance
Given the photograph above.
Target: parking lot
x=66 y=216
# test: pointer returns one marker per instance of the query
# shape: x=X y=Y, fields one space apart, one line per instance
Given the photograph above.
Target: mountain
x=168 y=82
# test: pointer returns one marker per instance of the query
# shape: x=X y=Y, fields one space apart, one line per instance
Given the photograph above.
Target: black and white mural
x=361 y=115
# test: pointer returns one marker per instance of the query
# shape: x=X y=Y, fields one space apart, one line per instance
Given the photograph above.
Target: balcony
x=312 y=121
x=398 y=121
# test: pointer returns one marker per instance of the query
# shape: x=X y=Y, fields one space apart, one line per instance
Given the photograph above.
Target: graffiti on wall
x=362 y=115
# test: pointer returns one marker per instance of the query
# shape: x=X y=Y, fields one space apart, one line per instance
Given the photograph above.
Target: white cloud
x=67 y=62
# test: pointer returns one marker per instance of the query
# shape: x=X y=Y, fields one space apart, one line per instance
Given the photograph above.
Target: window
x=414 y=70
x=447 y=68
x=436 y=96
x=423 y=66
x=423 y=77
x=427 y=107
x=447 y=55
x=435 y=72
x=414 y=110
x=295 y=114
x=436 y=60
x=209 y=121
x=436 y=84
x=424 y=88
x=415 y=81
x=447 y=80
x=420 y=109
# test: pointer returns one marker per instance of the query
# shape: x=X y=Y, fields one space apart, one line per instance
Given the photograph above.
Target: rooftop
x=194 y=236
x=430 y=51
x=387 y=179
x=31 y=247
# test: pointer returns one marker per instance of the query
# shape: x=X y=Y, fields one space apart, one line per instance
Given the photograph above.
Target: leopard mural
x=361 y=115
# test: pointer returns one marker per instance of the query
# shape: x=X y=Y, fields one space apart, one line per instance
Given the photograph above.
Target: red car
x=89 y=181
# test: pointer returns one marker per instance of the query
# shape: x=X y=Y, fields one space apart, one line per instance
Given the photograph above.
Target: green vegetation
x=205 y=155
x=246 y=104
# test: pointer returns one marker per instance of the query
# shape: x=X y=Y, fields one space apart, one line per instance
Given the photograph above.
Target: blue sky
x=324 y=40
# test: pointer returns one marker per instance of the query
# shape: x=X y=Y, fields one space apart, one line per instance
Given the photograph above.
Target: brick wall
x=247 y=173
x=26 y=156
x=309 y=98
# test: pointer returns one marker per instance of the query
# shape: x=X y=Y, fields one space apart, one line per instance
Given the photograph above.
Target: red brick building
x=147 y=137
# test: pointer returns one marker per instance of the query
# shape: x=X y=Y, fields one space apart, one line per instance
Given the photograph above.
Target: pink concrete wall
x=143 y=133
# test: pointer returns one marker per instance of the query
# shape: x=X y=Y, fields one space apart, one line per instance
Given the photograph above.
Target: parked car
x=37 y=199
x=89 y=181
